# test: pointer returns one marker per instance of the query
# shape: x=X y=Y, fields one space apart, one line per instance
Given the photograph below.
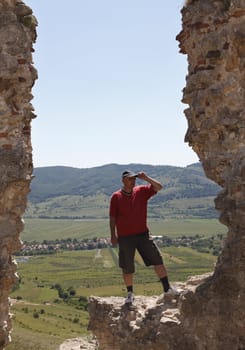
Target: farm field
x=51 y=229
x=42 y=319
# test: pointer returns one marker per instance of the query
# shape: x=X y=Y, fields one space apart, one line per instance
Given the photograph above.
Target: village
x=200 y=243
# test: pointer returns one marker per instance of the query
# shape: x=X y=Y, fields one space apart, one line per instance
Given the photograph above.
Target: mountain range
x=67 y=192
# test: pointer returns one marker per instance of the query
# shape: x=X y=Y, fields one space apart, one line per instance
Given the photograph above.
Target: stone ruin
x=17 y=76
x=210 y=312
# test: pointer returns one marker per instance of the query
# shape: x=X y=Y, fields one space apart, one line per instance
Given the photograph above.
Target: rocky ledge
x=150 y=322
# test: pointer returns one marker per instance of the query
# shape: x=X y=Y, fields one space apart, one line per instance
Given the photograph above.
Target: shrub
x=71 y=291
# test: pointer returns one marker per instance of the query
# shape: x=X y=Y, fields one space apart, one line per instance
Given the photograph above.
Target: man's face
x=129 y=182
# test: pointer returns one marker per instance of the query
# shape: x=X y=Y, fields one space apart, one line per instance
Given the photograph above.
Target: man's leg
x=126 y=262
x=160 y=271
x=151 y=255
x=162 y=274
x=128 y=279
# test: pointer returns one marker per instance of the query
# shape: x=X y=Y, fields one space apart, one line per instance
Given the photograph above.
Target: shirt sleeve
x=152 y=191
x=148 y=191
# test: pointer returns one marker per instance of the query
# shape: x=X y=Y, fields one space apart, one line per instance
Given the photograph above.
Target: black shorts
x=146 y=247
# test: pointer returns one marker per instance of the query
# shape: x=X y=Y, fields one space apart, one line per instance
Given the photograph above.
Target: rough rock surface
x=208 y=314
x=150 y=322
x=79 y=344
x=211 y=315
x=17 y=76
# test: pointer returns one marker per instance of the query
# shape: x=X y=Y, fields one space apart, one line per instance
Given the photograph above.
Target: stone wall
x=17 y=76
x=211 y=314
x=210 y=311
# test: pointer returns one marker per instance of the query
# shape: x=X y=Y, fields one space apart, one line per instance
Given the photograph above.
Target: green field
x=54 y=324
x=51 y=229
x=42 y=320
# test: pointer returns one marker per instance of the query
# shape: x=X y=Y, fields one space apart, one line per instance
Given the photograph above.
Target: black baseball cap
x=128 y=173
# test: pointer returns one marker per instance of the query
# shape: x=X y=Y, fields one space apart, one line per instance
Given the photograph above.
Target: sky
x=110 y=84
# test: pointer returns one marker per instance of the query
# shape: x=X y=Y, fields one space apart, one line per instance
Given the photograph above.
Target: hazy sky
x=110 y=83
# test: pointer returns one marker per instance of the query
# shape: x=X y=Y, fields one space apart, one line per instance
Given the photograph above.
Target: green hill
x=66 y=192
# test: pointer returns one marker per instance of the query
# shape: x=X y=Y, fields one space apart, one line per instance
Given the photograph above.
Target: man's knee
x=128 y=270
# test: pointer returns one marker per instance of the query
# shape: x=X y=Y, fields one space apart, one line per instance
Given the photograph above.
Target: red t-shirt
x=130 y=211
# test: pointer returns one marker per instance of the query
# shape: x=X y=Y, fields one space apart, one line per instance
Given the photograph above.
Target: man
x=128 y=225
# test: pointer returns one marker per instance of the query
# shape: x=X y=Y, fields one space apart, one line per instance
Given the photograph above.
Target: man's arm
x=154 y=183
x=113 y=230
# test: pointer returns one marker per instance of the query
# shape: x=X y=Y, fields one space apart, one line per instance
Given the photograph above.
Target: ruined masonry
x=210 y=312
x=17 y=76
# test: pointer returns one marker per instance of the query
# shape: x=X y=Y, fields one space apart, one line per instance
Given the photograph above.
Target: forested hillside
x=85 y=193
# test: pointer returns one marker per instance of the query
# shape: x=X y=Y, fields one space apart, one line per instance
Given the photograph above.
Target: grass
x=89 y=274
x=188 y=227
x=71 y=205
x=41 y=229
x=51 y=325
x=43 y=321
